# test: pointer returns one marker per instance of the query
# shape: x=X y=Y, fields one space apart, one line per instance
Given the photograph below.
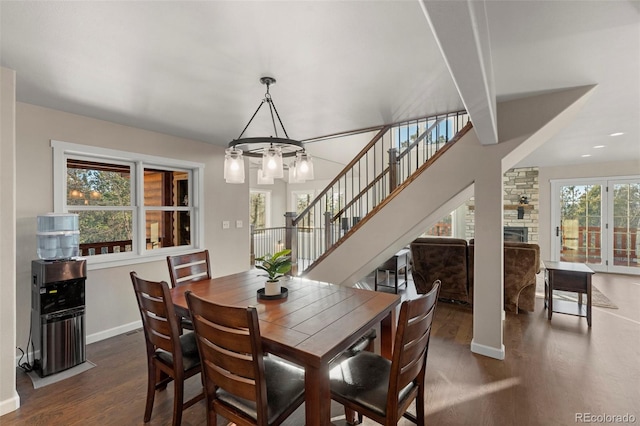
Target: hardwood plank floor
x=552 y=371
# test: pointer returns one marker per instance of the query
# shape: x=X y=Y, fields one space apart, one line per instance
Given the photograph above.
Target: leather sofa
x=445 y=259
x=451 y=260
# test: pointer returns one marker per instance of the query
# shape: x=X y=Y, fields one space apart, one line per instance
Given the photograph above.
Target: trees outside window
x=597 y=221
x=302 y=200
x=101 y=194
x=259 y=205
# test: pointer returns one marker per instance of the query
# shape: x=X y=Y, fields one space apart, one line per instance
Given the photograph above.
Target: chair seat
x=186 y=324
x=190 y=356
x=285 y=383
x=364 y=378
x=363 y=344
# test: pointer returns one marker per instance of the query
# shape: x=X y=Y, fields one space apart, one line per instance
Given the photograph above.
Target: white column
x=488 y=265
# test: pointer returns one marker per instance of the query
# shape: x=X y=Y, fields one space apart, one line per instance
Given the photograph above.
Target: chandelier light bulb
x=305 y=166
x=272 y=162
x=233 y=166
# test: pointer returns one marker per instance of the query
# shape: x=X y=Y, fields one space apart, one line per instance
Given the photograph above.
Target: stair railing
x=390 y=158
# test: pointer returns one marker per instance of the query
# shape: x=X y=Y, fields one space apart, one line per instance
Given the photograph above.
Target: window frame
x=139 y=253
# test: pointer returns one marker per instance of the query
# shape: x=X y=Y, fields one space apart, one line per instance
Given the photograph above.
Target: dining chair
x=188 y=268
x=170 y=355
x=383 y=389
x=241 y=383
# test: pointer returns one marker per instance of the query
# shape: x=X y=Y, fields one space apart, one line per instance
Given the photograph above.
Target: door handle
x=557 y=231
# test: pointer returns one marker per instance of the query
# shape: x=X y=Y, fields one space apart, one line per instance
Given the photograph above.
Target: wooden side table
x=396 y=263
x=572 y=277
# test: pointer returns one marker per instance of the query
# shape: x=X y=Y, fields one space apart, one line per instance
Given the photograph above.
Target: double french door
x=597 y=222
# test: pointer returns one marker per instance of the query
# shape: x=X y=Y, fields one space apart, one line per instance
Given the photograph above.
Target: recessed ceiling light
x=616 y=134
x=586 y=155
x=599 y=146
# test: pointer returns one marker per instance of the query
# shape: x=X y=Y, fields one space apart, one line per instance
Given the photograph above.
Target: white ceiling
x=192 y=69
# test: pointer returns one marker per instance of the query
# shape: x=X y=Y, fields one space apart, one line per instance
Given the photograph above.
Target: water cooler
x=58 y=296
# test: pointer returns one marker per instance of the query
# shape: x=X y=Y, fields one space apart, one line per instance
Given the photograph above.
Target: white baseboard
x=489 y=351
x=11 y=404
x=96 y=337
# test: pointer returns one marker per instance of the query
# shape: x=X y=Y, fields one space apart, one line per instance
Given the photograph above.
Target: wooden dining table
x=310 y=327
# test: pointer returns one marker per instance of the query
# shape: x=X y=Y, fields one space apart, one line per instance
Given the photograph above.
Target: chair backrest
x=187 y=268
x=441 y=258
x=411 y=345
x=158 y=315
x=230 y=346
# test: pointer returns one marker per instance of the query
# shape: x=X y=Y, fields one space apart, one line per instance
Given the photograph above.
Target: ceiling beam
x=462 y=34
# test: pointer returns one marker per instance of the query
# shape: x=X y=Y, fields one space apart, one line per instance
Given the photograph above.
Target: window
x=130 y=206
x=259 y=208
x=101 y=194
x=443 y=228
x=300 y=200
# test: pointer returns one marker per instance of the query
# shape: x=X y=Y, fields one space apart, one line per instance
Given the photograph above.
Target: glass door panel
x=626 y=226
x=581 y=223
x=597 y=222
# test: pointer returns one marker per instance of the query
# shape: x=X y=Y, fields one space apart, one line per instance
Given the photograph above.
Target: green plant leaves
x=275 y=265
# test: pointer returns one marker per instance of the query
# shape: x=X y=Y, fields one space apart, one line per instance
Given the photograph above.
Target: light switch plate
x=226 y=224
x=238 y=224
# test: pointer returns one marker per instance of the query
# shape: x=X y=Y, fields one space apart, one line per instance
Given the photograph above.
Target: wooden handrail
x=393 y=194
x=377 y=171
x=360 y=194
x=344 y=171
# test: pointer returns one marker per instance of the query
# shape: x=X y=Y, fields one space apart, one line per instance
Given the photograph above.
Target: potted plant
x=275 y=266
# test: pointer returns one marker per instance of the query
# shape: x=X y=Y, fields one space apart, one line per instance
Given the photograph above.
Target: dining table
x=310 y=326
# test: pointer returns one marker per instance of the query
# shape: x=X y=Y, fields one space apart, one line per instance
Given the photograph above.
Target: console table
x=572 y=277
x=399 y=261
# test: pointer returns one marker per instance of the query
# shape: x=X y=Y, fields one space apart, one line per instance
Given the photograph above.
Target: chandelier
x=272 y=150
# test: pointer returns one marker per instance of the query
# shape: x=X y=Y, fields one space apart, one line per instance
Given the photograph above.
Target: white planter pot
x=272 y=288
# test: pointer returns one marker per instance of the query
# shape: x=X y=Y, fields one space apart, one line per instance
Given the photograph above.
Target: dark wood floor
x=552 y=371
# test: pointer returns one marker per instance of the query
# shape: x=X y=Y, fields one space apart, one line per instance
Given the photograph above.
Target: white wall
x=111 y=306
x=9 y=399
x=546 y=174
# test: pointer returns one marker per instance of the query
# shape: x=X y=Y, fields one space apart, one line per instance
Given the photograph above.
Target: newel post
x=291 y=240
x=393 y=169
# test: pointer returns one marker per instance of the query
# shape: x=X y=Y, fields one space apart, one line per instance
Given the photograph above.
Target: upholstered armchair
x=521 y=264
x=443 y=259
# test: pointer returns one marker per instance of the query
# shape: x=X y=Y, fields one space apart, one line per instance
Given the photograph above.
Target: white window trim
x=140 y=254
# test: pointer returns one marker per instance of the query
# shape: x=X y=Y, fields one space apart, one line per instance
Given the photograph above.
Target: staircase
x=382 y=168
x=386 y=209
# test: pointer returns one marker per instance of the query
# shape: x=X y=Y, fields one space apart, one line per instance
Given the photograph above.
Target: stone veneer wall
x=516 y=182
